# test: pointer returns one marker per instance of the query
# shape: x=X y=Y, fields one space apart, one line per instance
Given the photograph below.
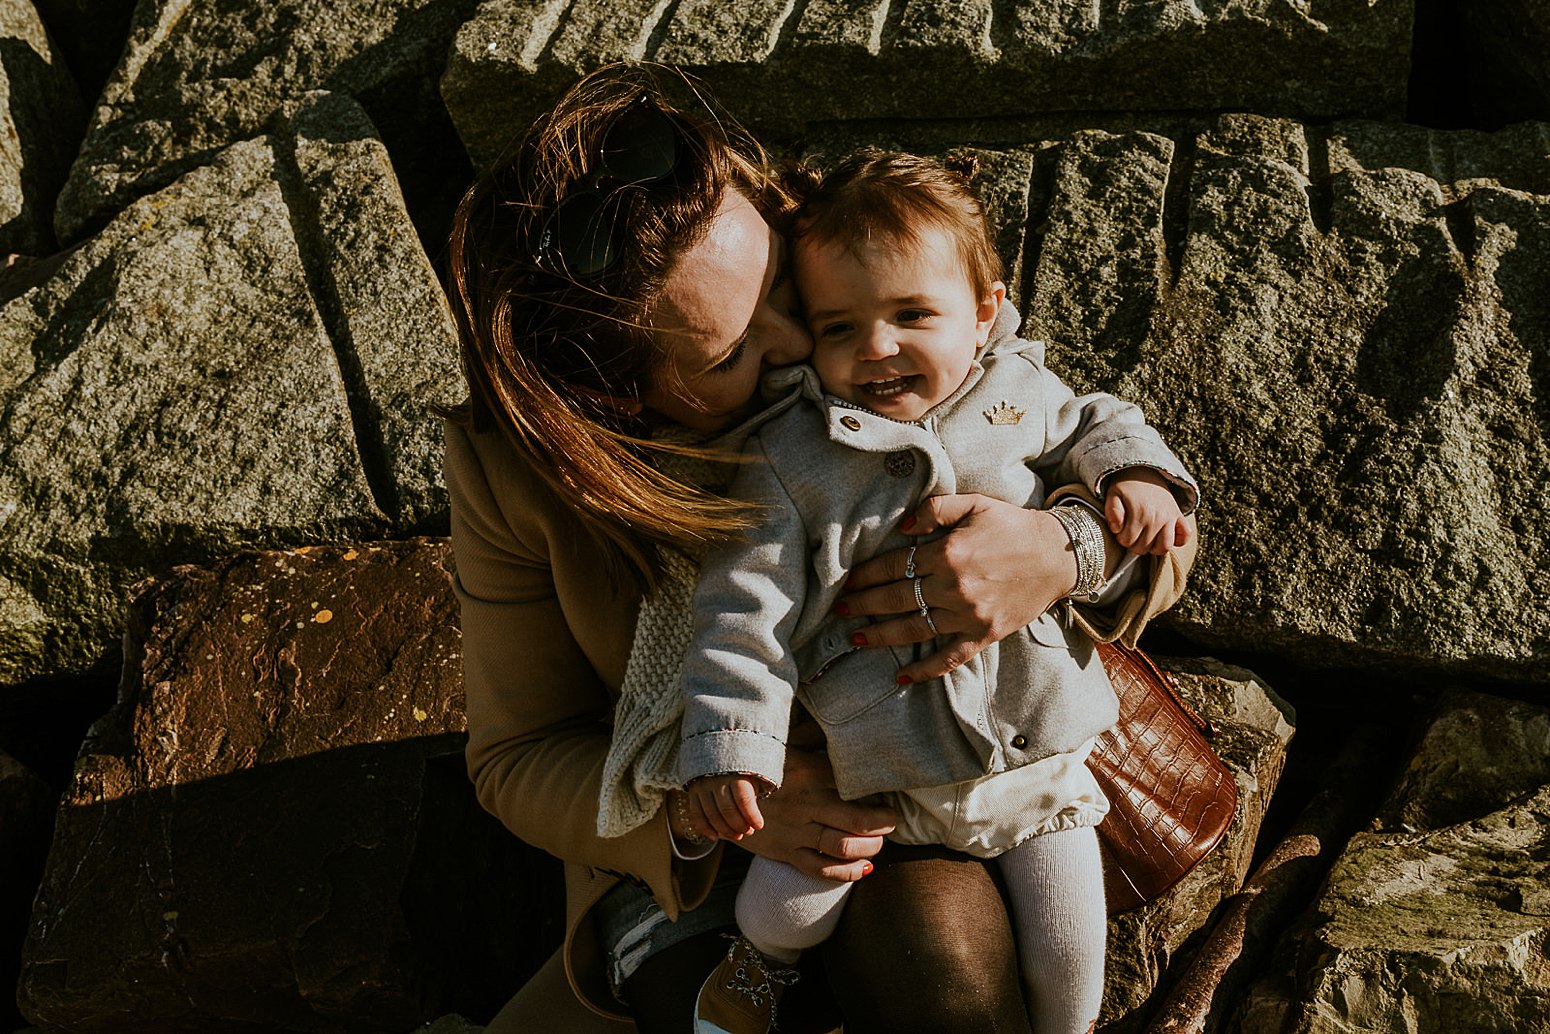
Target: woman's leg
x=1055 y=884
x=925 y=945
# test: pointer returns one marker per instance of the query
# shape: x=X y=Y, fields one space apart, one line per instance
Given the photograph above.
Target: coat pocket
x=841 y=681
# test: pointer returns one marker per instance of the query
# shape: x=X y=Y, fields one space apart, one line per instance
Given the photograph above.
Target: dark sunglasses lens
x=579 y=236
x=641 y=147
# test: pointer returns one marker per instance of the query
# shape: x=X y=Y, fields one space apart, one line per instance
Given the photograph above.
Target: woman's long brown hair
x=544 y=354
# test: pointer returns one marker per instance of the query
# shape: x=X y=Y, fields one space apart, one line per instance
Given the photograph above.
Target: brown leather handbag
x=1170 y=797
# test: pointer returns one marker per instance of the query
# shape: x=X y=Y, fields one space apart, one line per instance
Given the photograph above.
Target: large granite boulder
x=198 y=75
x=1341 y=334
x=41 y=121
x=1254 y=726
x=273 y=828
x=779 y=65
x=247 y=358
x=1438 y=917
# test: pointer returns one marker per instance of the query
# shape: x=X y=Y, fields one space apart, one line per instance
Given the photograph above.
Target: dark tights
x=924 y=945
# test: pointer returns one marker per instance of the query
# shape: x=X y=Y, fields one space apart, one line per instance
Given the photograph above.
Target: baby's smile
x=891 y=387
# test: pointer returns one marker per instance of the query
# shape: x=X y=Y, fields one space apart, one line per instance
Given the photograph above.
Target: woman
x=620 y=286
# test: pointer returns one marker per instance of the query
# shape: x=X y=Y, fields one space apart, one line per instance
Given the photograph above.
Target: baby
x=918 y=387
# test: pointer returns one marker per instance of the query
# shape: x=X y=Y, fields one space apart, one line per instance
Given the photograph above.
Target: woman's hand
x=997 y=569
x=807 y=824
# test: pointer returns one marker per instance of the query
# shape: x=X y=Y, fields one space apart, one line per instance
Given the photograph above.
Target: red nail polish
x=842 y=609
x=866 y=868
x=904 y=680
x=857 y=639
x=909 y=522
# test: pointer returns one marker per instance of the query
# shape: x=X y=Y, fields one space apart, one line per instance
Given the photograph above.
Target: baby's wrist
x=681 y=823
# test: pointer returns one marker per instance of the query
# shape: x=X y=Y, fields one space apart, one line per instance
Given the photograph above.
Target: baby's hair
x=892 y=196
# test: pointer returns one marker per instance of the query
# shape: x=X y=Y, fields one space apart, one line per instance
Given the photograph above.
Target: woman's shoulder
x=495 y=488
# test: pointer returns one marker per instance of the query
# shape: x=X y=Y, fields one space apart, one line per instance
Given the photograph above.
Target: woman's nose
x=791 y=342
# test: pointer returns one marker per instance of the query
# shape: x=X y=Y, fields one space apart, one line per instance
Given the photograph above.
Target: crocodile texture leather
x=1170 y=797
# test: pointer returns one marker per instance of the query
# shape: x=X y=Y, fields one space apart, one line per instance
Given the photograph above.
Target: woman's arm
x=536 y=704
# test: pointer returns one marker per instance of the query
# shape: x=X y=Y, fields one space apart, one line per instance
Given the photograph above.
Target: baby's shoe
x=740 y=995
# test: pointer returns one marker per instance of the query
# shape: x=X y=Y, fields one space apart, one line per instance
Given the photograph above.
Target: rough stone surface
x=41 y=121
x=197 y=75
x=273 y=828
x=1254 y=726
x=246 y=358
x=1352 y=359
x=26 y=819
x=780 y=65
x=1437 y=918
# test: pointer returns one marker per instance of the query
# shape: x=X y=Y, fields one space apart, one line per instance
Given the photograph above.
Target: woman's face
x=726 y=316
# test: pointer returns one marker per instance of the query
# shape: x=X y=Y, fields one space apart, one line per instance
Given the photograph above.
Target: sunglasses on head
x=639 y=149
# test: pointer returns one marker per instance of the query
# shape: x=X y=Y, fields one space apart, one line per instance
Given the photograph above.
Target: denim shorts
x=631 y=926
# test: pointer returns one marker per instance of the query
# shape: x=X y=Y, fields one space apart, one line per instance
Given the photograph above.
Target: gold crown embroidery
x=1004 y=413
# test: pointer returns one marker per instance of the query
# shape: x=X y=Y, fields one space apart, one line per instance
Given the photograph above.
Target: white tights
x=1054 y=881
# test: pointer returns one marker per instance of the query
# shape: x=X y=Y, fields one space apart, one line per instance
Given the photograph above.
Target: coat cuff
x=732 y=752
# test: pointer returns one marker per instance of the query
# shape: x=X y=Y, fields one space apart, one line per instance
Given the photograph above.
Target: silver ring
x=925 y=611
x=909 y=563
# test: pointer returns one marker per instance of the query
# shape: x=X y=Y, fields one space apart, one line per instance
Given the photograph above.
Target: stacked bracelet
x=693 y=836
x=1088 y=545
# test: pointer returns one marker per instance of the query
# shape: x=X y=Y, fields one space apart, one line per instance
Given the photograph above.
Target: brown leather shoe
x=740 y=995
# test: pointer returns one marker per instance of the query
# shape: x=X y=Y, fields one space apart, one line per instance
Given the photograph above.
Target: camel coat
x=545 y=644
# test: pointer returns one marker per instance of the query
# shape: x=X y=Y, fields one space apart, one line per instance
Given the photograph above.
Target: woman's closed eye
x=733 y=357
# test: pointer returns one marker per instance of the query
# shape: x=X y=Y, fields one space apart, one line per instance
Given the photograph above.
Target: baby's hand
x=1143 y=512
x=725 y=807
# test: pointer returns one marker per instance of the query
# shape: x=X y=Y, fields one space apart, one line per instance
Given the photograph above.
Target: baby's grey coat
x=763 y=609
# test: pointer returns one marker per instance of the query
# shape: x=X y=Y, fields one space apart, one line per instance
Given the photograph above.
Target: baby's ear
x=985 y=315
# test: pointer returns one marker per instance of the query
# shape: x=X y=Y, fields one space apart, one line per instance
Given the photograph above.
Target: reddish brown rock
x=273 y=829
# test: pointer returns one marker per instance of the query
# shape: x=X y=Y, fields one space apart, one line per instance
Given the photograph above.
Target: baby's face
x=894 y=329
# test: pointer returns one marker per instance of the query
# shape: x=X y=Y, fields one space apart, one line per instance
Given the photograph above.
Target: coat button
x=900 y=464
x=850 y=423
x=1019 y=742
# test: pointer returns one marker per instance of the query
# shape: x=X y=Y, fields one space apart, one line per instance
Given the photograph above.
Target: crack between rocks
x=307 y=230
x=668 y=10
x=1320 y=189
x=1175 y=205
x=789 y=23
x=546 y=26
x=1458 y=218
x=888 y=32
x=1041 y=197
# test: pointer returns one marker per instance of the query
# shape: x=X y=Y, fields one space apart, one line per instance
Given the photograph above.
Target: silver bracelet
x=692 y=835
x=1087 y=543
